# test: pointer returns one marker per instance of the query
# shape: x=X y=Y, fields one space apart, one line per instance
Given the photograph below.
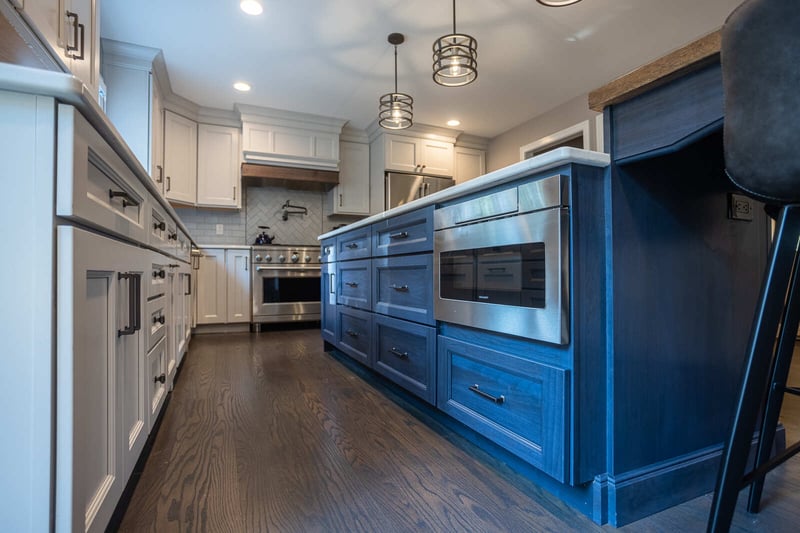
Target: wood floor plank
x=266 y=432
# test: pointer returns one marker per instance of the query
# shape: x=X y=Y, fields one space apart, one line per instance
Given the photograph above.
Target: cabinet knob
x=159 y=319
x=159 y=274
x=159 y=225
x=160 y=379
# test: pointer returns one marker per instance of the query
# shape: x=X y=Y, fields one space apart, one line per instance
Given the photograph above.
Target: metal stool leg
x=757 y=366
x=777 y=387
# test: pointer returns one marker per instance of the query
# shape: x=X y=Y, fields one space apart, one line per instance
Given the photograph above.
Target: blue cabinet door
x=354 y=333
x=406 y=354
x=520 y=404
x=402 y=287
x=404 y=234
x=353 y=283
x=355 y=244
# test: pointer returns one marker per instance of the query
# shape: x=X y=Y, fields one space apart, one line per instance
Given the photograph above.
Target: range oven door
x=285 y=293
x=509 y=275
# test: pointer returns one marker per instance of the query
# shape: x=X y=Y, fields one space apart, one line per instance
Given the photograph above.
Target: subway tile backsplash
x=263 y=207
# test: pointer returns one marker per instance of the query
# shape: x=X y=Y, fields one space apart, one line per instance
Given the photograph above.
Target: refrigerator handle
x=425 y=189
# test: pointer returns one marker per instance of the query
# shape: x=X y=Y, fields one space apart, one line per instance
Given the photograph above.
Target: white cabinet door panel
x=218 y=154
x=238 y=270
x=180 y=158
x=212 y=287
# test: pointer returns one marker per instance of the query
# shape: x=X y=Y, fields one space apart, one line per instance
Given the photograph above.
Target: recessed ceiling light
x=453 y=122
x=241 y=86
x=557 y=3
x=251 y=7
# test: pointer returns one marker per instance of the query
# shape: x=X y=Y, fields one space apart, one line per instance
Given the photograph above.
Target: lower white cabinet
x=100 y=378
x=223 y=286
x=156 y=380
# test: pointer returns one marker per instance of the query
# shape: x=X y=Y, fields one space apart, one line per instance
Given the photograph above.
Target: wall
x=263 y=207
x=504 y=149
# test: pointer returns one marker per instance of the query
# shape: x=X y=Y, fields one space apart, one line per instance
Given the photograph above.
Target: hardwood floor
x=266 y=432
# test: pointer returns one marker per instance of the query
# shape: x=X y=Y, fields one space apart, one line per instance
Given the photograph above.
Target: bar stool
x=761 y=78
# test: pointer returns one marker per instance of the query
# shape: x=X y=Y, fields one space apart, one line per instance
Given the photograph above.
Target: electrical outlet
x=220 y=229
x=740 y=207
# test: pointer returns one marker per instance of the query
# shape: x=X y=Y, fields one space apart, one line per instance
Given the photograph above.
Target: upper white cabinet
x=180 y=158
x=351 y=196
x=418 y=155
x=469 y=163
x=284 y=138
x=133 y=103
x=72 y=29
x=218 y=156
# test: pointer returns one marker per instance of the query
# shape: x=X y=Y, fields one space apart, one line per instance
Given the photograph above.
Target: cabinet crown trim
x=291 y=119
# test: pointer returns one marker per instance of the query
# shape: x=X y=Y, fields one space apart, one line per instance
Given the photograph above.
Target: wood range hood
x=289 y=177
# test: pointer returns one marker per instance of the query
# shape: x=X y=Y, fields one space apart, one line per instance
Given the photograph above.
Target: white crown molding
x=127 y=54
x=466 y=140
x=290 y=119
x=417 y=130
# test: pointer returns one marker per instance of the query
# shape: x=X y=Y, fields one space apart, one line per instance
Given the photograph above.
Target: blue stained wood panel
x=354 y=333
x=404 y=234
x=402 y=287
x=353 y=283
x=405 y=353
x=668 y=117
x=355 y=244
x=532 y=418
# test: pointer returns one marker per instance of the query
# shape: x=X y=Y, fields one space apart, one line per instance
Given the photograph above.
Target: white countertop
x=68 y=89
x=546 y=161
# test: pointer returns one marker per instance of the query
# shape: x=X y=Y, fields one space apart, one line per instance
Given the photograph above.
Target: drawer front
x=184 y=247
x=356 y=244
x=158 y=228
x=402 y=287
x=327 y=250
x=406 y=354
x=405 y=234
x=93 y=184
x=353 y=284
x=156 y=380
x=156 y=320
x=519 y=404
x=157 y=277
x=354 y=333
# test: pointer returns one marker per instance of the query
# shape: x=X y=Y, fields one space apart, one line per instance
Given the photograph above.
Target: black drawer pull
x=127 y=199
x=400 y=288
x=160 y=379
x=351 y=284
x=499 y=400
x=352 y=333
x=497 y=269
x=399 y=235
x=398 y=353
x=353 y=245
x=159 y=274
x=159 y=225
x=159 y=319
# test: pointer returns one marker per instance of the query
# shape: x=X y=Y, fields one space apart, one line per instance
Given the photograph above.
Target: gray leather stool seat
x=761 y=77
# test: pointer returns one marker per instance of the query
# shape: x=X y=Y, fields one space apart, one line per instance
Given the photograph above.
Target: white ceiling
x=331 y=57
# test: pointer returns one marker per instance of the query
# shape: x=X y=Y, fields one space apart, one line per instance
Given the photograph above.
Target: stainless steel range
x=286 y=283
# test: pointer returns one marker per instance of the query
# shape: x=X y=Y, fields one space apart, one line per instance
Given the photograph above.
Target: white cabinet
x=218 y=174
x=223 y=286
x=469 y=163
x=212 y=287
x=133 y=102
x=180 y=159
x=285 y=138
x=420 y=155
x=351 y=196
x=237 y=265
x=72 y=29
x=99 y=377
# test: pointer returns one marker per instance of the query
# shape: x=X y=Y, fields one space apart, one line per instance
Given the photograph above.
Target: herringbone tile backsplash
x=263 y=207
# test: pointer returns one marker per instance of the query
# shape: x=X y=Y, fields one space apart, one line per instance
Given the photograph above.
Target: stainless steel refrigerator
x=403 y=188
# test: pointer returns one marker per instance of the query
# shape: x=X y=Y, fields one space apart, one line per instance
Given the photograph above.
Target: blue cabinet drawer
x=353 y=284
x=356 y=244
x=520 y=404
x=405 y=353
x=354 y=333
x=404 y=234
x=403 y=287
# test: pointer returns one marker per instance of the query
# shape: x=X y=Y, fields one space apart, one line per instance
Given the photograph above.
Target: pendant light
x=455 y=58
x=396 y=109
x=557 y=3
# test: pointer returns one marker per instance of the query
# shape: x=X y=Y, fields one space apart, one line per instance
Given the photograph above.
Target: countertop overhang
x=540 y=163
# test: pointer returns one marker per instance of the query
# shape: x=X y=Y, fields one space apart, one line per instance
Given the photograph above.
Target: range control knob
x=308 y=259
x=319 y=259
x=281 y=259
x=295 y=257
x=268 y=258
x=258 y=258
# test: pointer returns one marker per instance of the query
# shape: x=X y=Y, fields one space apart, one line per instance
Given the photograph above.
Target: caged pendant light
x=455 y=58
x=557 y=3
x=396 y=109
